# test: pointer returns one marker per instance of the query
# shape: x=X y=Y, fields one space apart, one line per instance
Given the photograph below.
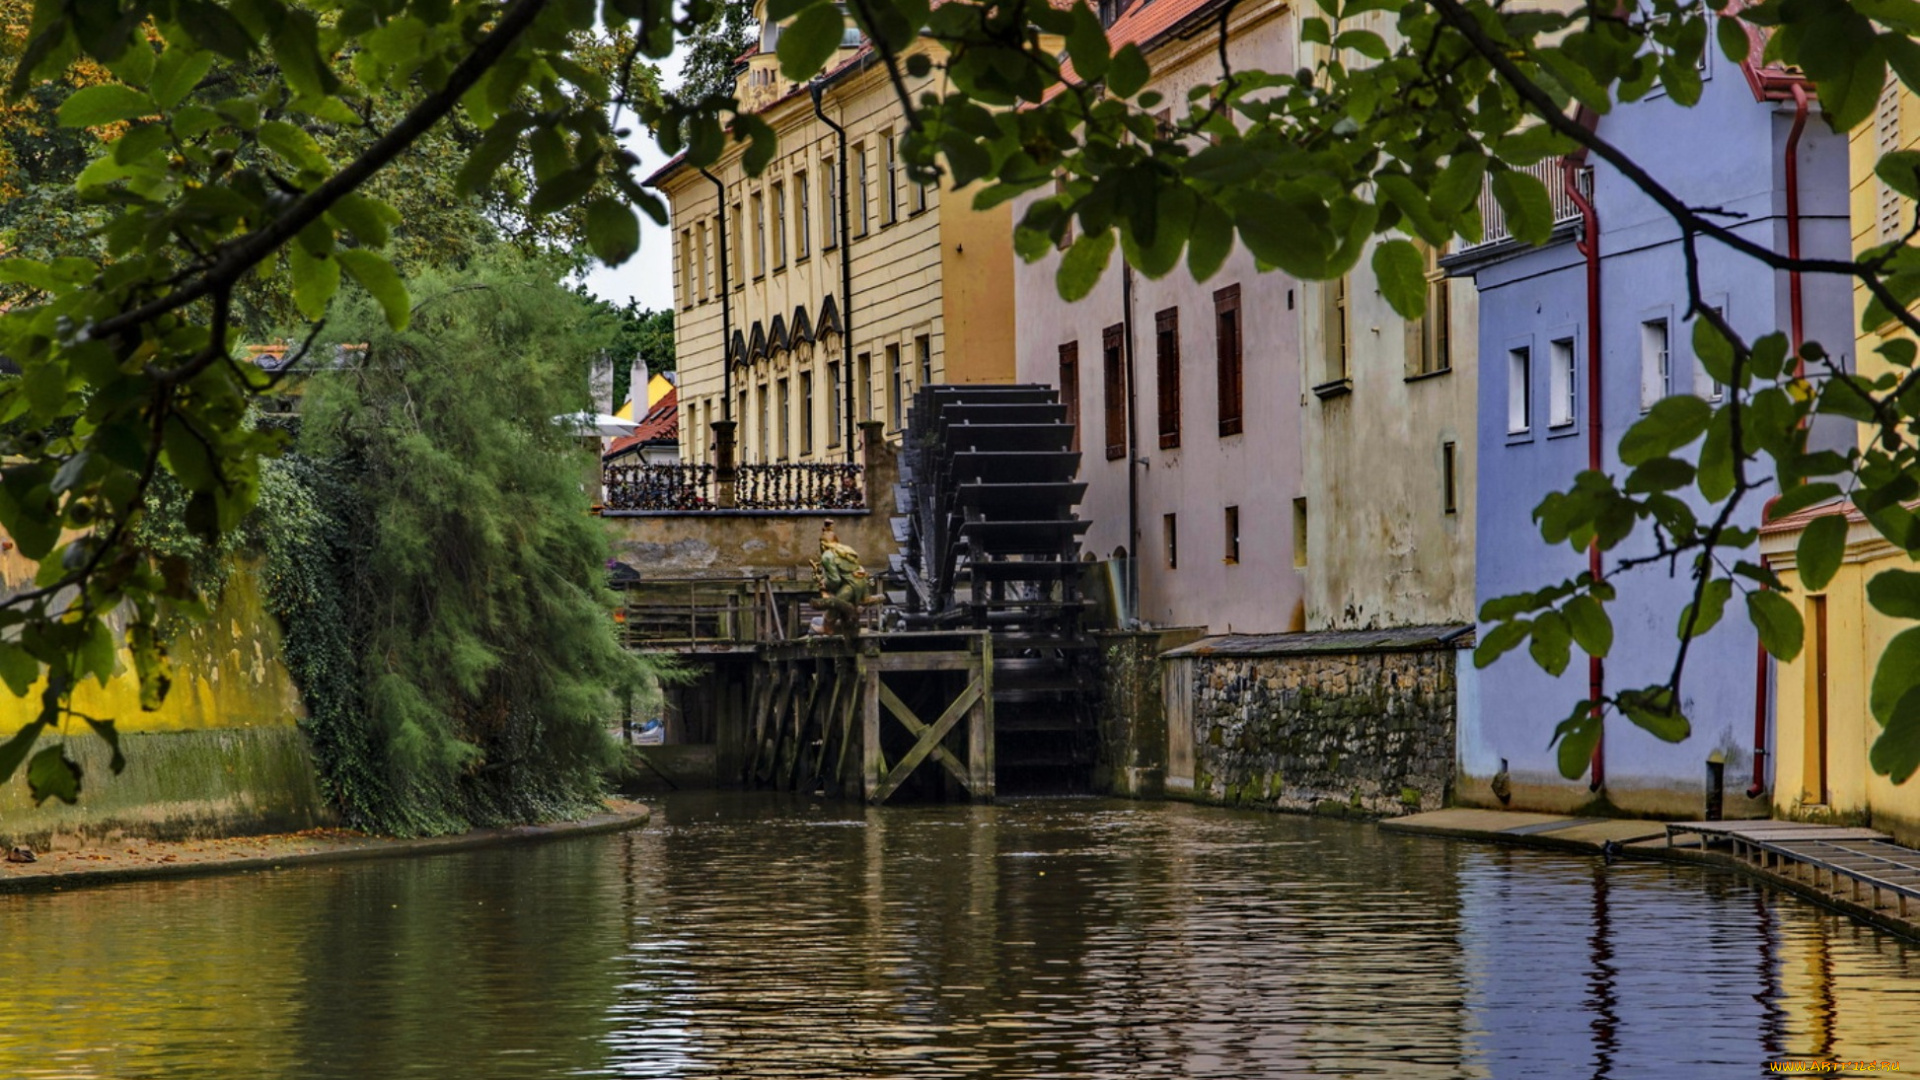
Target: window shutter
x=1166 y=336
x=1113 y=357
x=1228 y=351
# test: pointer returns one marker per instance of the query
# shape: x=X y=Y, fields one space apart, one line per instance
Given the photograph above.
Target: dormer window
x=769 y=36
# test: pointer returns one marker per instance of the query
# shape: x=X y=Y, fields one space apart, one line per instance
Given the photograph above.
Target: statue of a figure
x=844 y=585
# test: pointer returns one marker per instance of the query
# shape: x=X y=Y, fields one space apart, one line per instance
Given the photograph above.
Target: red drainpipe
x=1589 y=245
x=1794 y=308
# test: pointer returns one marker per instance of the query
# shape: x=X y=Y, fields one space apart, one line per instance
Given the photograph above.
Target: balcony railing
x=659 y=487
x=1552 y=173
x=689 y=487
x=799 y=487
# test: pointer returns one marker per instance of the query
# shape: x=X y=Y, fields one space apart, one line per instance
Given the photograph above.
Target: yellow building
x=931 y=296
x=1823 y=728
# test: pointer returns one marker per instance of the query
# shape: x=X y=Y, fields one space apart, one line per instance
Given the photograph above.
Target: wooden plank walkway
x=1859 y=865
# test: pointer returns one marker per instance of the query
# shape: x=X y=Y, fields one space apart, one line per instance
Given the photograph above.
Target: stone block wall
x=1363 y=733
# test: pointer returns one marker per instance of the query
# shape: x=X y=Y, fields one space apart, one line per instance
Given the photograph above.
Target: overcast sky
x=648 y=276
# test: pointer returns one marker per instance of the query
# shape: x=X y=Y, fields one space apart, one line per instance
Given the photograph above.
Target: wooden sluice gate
x=960 y=672
x=871 y=719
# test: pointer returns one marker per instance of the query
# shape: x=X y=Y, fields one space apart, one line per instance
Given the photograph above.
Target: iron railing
x=799 y=486
x=1552 y=173
x=659 y=487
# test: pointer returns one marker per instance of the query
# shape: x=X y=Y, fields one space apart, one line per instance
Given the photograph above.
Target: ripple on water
x=747 y=937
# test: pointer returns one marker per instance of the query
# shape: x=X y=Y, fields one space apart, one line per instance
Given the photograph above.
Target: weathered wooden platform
x=1858 y=865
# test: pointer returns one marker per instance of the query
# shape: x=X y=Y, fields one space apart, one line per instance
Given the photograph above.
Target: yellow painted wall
x=1856 y=636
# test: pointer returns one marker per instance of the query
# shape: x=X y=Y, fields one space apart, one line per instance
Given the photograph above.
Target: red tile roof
x=1145 y=24
x=661 y=424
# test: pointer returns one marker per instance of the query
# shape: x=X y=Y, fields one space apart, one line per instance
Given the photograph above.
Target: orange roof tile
x=661 y=424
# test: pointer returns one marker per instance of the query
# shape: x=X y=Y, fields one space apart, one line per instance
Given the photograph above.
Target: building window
x=1170 y=528
x=1299 y=532
x=1519 y=391
x=1166 y=347
x=920 y=191
x=1656 y=363
x=687 y=291
x=1562 y=385
x=806 y=413
x=759 y=234
x=706 y=425
x=890 y=175
x=833 y=403
x=765 y=428
x=802 y=216
x=1430 y=337
x=709 y=265
x=1888 y=226
x=1070 y=387
x=1704 y=384
x=893 y=387
x=861 y=193
x=1113 y=359
x=864 y=367
x=829 y=206
x=1233 y=535
x=1226 y=348
x=739 y=249
x=700 y=258
x=779 y=226
x=786 y=419
x=923 y=358
x=1339 y=344
x=740 y=433
x=1449 y=494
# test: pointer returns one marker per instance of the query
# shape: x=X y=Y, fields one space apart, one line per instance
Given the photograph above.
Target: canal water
x=747 y=936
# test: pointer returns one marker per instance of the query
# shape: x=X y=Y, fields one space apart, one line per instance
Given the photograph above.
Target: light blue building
x=1540 y=311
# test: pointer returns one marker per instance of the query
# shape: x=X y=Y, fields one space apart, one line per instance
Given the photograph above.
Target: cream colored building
x=932 y=278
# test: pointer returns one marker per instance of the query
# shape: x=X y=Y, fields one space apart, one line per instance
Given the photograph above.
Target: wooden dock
x=1855 y=865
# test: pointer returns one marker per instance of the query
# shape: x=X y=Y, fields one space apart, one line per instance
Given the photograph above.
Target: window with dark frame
x=1449 y=493
x=1430 y=337
x=829 y=206
x=779 y=226
x=923 y=358
x=802 y=216
x=1114 y=362
x=1299 y=532
x=865 y=368
x=1166 y=347
x=1233 y=535
x=1170 y=526
x=806 y=413
x=1070 y=387
x=890 y=175
x=861 y=191
x=833 y=403
x=1227 y=352
x=895 y=414
x=785 y=405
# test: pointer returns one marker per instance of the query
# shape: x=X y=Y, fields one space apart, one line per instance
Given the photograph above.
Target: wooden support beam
x=929 y=739
x=918 y=729
x=980 y=784
x=782 y=695
x=850 y=675
x=817 y=703
x=873 y=768
x=924 y=661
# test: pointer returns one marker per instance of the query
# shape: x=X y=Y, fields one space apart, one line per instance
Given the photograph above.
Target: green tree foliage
x=1381 y=139
x=462 y=664
x=707 y=54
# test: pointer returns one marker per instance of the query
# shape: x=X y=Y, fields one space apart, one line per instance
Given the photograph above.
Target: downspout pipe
x=816 y=89
x=1133 y=449
x=726 y=301
x=1796 y=313
x=1589 y=246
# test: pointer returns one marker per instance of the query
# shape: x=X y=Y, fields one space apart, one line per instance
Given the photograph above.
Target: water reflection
x=761 y=937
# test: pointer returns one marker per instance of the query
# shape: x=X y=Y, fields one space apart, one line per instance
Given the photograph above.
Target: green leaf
x=612 y=230
x=1674 y=422
x=177 y=72
x=111 y=735
x=296 y=46
x=1896 y=675
x=1500 y=640
x=1524 y=200
x=1896 y=753
x=1551 y=644
x=1087 y=45
x=1592 y=628
x=97 y=653
x=1801 y=496
x=106 y=103
x=1081 y=267
x=1290 y=233
x=1653 y=710
x=1822 y=547
x=51 y=774
x=369 y=219
x=1733 y=37
x=376 y=275
x=1713 y=603
x=1900 y=170
x=1895 y=593
x=14 y=751
x=809 y=41
x=1128 y=73
x=1211 y=242
x=1402 y=274
x=295 y=146
x=1778 y=623
x=19 y=670
x=563 y=190
x=1578 y=734
x=1458 y=185
x=315 y=279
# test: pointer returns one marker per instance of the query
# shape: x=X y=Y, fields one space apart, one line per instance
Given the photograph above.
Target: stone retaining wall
x=1367 y=733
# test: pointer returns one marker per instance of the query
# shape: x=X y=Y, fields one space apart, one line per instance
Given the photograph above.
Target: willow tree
x=1379 y=144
